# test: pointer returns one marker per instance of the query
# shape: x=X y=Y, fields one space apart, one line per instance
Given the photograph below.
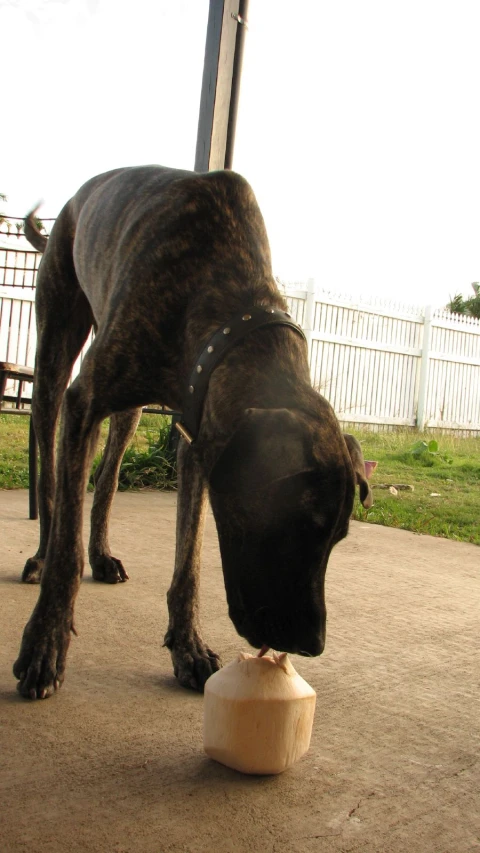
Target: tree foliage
x=6 y=221
x=470 y=306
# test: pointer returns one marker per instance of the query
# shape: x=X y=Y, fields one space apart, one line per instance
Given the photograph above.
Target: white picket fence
x=17 y=326
x=377 y=363
x=385 y=363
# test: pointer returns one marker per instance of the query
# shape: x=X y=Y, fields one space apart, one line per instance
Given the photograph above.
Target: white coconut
x=258 y=714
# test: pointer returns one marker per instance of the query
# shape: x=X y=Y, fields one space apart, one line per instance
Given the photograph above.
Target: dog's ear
x=359 y=469
x=269 y=445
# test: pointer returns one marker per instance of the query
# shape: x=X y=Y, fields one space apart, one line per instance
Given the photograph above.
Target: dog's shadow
x=170 y=684
x=16 y=578
x=199 y=769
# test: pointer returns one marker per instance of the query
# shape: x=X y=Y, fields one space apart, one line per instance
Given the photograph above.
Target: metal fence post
x=309 y=314
x=424 y=367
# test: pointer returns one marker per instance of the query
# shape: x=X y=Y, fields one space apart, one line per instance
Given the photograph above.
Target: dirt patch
x=114 y=763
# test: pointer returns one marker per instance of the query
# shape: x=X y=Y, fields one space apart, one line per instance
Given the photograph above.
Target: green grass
x=14 y=451
x=445 y=501
x=452 y=473
x=147 y=462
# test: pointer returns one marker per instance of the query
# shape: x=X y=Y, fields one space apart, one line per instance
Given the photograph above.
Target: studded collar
x=223 y=340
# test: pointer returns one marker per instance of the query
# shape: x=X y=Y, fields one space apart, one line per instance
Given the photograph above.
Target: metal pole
x=221 y=84
x=32 y=472
x=242 y=21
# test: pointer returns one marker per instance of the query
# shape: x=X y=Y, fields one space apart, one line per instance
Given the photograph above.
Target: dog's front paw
x=193 y=662
x=107 y=569
x=40 y=667
x=32 y=571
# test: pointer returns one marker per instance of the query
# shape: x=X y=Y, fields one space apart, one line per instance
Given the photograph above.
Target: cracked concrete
x=114 y=763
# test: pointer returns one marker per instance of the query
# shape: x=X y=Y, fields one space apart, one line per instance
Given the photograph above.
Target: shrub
x=148 y=467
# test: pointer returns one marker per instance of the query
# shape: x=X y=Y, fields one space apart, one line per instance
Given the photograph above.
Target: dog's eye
x=319 y=519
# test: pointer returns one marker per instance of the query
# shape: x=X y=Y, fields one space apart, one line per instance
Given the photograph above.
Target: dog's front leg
x=40 y=666
x=193 y=661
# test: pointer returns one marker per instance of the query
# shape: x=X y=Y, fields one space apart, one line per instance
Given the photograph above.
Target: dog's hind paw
x=108 y=569
x=32 y=571
x=40 y=666
x=193 y=662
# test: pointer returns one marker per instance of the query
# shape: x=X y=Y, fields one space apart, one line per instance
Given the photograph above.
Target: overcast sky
x=358 y=125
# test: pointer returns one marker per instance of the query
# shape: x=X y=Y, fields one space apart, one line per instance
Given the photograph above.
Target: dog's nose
x=278 y=631
x=312 y=648
x=309 y=647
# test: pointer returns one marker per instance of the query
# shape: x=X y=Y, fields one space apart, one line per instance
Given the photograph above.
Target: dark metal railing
x=18 y=267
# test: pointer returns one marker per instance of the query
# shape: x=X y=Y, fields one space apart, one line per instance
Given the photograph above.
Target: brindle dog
x=157 y=260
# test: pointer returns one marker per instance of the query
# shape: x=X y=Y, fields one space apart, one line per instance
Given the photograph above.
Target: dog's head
x=282 y=494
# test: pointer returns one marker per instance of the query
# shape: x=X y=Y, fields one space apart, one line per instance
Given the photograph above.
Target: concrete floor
x=114 y=762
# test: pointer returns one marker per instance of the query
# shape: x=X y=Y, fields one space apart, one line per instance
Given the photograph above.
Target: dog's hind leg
x=64 y=320
x=193 y=661
x=105 y=567
x=40 y=666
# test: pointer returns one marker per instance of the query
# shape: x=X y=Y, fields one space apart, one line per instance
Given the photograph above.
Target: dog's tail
x=33 y=235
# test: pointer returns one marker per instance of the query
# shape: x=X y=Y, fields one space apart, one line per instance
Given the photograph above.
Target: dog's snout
x=314 y=647
x=282 y=631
